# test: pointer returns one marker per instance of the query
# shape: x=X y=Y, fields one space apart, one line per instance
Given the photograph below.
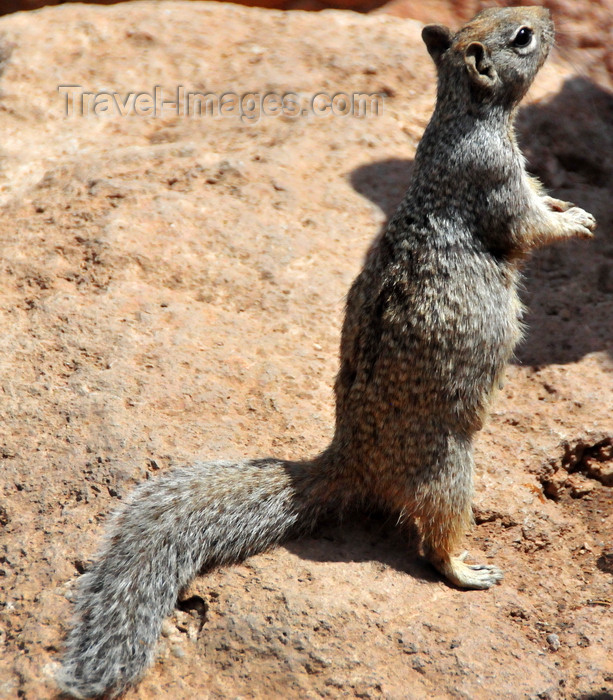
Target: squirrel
x=431 y=321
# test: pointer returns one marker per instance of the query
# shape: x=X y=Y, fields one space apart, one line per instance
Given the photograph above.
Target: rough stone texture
x=8 y=6
x=173 y=287
x=584 y=27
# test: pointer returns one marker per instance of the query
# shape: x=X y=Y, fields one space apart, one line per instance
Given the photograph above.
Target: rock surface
x=584 y=27
x=172 y=287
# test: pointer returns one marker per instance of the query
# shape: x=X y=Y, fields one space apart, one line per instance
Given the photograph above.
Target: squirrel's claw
x=581 y=221
x=478 y=576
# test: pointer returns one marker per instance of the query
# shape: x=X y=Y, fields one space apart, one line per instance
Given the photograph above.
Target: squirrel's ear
x=480 y=65
x=437 y=39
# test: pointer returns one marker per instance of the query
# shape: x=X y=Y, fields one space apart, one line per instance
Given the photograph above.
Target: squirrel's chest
x=463 y=297
x=452 y=324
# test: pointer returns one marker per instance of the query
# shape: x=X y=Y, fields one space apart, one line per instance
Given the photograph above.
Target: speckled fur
x=430 y=323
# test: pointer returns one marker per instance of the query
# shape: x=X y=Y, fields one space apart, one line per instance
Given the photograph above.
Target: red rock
x=172 y=288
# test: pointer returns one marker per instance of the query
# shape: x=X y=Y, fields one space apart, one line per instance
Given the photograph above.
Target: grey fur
x=430 y=324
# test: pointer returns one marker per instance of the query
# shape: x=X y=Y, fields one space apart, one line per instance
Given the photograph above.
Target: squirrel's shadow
x=360 y=537
x=568 y=142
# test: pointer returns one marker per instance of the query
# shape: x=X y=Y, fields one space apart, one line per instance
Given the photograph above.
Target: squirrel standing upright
x=430 y=323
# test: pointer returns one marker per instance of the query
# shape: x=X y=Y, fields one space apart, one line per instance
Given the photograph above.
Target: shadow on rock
x=360 y=538
x=568 y=142
x=384 y=182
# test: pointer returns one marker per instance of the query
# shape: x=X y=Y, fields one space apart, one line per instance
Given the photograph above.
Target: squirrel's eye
x=523 y=37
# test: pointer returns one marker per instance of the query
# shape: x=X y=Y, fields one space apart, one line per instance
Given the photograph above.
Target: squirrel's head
x=495 y=56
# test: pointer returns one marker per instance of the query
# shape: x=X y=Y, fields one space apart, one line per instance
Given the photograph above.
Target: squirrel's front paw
x=580 y=222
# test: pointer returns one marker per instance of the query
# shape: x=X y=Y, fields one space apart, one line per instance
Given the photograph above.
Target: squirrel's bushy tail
x=171 y=528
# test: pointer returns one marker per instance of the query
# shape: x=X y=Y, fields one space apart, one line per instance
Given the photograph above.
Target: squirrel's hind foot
x=464 y=575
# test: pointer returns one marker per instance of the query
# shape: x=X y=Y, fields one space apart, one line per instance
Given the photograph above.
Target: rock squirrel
x=430 y=323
